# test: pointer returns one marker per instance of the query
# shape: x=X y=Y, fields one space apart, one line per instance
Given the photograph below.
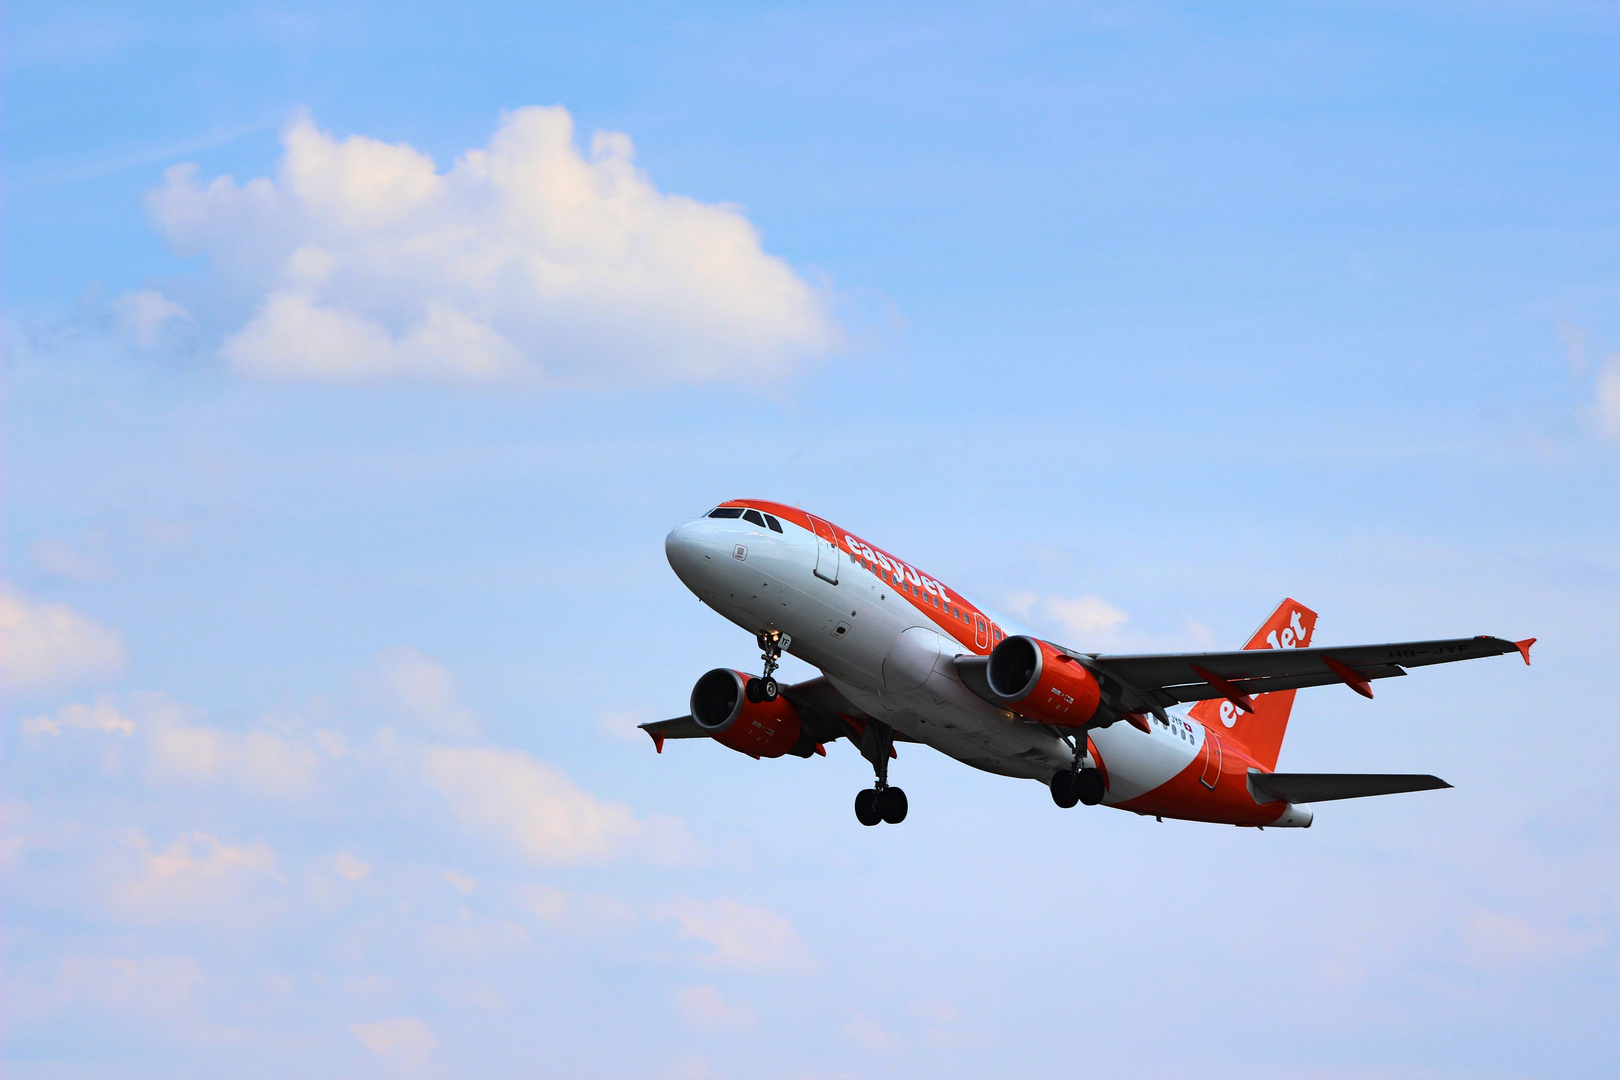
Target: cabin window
x=775 y=526
x=726 y=512
x=753 y=516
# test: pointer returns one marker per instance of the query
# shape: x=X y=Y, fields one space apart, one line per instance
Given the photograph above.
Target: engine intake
x=1043 y=681
x=758 y=729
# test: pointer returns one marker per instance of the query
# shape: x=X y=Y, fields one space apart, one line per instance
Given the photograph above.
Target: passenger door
x=826 y=550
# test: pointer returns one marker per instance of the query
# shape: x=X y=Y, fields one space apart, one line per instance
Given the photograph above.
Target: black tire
x=866 y=808
x=892 y=805
x=1065 y=789
x=1091 y=787
x=754 y=691
x=769 y=691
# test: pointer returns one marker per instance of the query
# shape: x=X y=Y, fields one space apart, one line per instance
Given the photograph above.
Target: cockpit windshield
x=764 y=521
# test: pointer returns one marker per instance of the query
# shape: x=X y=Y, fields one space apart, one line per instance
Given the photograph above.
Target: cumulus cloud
x=259 y=759
x=425 y=691
x=742 y=937
x=103 y=715
x=1494 y=939
x=873 y=1035
x=67 y=561
x=704 y=1008
x=145 y=317
x=525 y=260
x=153 y=986
x=44 y=644
x=1087 y=620
x=533 y=806
x=199 y=871
x=1606 y=399
x=402 y=1038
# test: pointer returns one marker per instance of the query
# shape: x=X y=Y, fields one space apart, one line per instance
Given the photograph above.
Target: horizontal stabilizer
x=1306 y=787
x=682 y=727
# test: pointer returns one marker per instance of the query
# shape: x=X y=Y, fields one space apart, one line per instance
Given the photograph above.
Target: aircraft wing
x=1173 y=678
x=819 y=705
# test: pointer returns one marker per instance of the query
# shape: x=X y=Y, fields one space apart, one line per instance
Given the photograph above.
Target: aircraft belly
x=945 y=715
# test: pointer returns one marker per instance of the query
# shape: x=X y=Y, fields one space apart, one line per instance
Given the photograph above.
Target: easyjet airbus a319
x=904 y=659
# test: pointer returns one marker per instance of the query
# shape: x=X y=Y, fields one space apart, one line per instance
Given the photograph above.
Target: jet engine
x=1043 y=681
x=758 y=729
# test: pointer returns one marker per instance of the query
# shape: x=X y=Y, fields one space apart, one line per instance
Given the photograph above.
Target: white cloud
x=1574 y=338
x=101 y=716
x=153 y=986
x=1496 y=940
x=1606 y=398
x=350 y=866
x=62 y=559
x=426 y=691
x=403 y=1038
x=144 y=317
x=706 y=1010
x=531 y=805
x=197 y=873
x=258 y=759
x=743 y=937
x=1086 y=620
x=459 y=881
x=620 y=724
x=525 y=260
x=44 y=644
x=579 y=913
x=873 y=1035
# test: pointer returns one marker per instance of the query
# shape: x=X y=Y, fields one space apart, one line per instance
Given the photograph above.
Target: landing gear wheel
x=755 y=690
x=1090 y=786
x=866 y=807
x=891 y=804
x=1066 y=788
x=768 y=689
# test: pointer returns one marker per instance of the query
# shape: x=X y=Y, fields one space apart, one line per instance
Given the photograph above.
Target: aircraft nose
x=689 y=548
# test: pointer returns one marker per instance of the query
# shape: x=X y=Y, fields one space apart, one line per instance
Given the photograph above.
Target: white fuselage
x=891 y=654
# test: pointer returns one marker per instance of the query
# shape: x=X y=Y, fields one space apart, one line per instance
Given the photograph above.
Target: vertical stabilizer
x=1291 y=626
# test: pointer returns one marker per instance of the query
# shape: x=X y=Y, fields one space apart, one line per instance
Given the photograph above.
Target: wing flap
x=1325 y=787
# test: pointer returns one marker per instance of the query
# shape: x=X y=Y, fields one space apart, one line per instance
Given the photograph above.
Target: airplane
x=904 y=659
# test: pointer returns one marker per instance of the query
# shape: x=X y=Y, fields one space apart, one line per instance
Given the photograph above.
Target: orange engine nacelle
x=1043 y=681
x=758 y=729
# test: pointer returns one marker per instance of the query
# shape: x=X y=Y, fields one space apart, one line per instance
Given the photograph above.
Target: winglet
x=1136 y=720
x=1524 y=649
x=1228 y=691
x=658 y=740
x=1354 y=679
x=822 y=750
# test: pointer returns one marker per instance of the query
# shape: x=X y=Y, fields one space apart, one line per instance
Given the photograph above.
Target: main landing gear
x=1076 y=784
x=880 y=802
x=764 y=688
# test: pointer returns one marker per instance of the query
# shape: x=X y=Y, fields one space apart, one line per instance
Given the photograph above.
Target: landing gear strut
x=1077 y=784
x=764 y=688
x=880 y=802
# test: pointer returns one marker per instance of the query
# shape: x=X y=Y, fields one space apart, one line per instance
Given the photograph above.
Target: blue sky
x=337 y=466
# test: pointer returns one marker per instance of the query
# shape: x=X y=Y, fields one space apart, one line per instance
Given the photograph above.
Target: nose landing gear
x=880 y=802
x=764 y=688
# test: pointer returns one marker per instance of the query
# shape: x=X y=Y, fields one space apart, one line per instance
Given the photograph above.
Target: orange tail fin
x=1291 y=626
